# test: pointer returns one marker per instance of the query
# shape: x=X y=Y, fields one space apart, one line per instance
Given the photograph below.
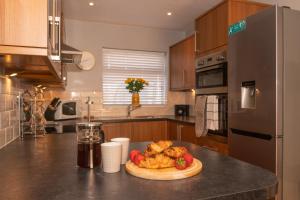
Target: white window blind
x=118 y=65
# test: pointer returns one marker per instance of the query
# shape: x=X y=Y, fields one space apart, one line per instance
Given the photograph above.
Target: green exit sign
x=238 y=27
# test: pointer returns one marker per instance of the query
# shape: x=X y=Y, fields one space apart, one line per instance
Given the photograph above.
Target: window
x=118 y=65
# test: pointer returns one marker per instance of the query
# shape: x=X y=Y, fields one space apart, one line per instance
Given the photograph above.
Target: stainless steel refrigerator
x=264 y=95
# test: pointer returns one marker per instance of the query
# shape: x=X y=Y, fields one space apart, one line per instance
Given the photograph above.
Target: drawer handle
x=211 y=148
x=262 y=136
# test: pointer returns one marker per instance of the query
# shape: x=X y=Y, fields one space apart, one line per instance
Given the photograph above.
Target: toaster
x=182 y=110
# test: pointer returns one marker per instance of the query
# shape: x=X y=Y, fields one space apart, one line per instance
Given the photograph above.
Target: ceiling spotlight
x=169 y=13
x=91 y=3
x=13 y=74
x=64 y=78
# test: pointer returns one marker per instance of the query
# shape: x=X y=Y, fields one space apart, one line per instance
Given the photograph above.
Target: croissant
x=158 y=147
x=158 y=161
x=175 y=152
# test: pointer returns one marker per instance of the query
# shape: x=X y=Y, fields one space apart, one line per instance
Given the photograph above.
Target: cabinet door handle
x=179 y=127
x=183 y=77
x=58 y=36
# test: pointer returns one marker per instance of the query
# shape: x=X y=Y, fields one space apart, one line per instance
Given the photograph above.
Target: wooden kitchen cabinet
x=159 y=130
x=222 y=25
x=112 y=130
x=176 y=73
x=187 y=133
x=24 y=31
x=206 y=27
x=181 y=131
x=142 y=131
x=149 y=131
x=23 y=23
x=215 y=143
x=172 y=130
x=189 y=63
x=241 y=9
x=136 y=131
x=182 y=64
x=212 y=27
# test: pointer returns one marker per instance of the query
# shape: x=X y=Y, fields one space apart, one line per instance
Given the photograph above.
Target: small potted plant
x=134 y=86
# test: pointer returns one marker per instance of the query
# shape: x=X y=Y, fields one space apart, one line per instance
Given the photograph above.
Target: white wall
x=92 y=36
x=294 y=4
x=189 y=29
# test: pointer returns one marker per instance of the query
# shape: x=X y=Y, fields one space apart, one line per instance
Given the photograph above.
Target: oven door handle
x=203 y=69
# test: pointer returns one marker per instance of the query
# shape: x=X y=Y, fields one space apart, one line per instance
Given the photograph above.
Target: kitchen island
x=45 y=169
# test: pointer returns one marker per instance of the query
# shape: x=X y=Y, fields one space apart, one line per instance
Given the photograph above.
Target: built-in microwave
x=211 y=74
x=68 y=109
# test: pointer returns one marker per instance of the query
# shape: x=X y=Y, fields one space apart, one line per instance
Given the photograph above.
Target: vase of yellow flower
x=135 y=99
x=134 y=86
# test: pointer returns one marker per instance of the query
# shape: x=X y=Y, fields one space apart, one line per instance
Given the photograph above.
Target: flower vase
x=135 y=99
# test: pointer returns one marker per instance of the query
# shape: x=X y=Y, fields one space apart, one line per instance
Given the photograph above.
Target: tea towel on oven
x=200 y=116
x=212 y=113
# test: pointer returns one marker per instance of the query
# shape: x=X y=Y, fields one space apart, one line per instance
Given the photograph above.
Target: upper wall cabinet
x=26 y=37
x=211 y=28
x=182 y=65
x=23 y=23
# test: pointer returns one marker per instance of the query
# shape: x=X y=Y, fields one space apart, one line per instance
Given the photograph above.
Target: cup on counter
x=111 y=156
x=125 y=146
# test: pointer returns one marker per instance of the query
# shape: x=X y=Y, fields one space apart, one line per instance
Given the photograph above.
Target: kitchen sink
x=142 y=117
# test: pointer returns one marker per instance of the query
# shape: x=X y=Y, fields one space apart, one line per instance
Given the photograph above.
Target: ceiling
x=147 y=13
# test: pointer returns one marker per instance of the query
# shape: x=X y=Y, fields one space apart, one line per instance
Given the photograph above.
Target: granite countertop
x=45 y=168
x=190 y=119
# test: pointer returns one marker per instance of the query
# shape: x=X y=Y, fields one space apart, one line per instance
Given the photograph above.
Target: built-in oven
x=211 y=74
x=211 y=81
x=218 y=110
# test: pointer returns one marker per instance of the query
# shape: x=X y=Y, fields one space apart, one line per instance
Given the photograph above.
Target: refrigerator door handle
x=262 y=136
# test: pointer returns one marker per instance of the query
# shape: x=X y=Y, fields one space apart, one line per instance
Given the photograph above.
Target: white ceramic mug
x=111 y=156
x=125 y=146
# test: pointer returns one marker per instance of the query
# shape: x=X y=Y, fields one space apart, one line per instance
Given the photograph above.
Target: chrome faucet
x=131 y=108
x=89 y=102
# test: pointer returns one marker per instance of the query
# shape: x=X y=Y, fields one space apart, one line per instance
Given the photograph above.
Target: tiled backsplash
x=100 y=110
x=9 y=111
x=190 y=100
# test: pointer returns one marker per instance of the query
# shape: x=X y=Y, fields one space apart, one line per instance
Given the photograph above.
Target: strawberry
x=188 y=159
x=133 y=153
x=180 y=163
x=138 y=158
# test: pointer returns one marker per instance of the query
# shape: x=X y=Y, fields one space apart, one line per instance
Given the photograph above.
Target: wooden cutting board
x=164 y=174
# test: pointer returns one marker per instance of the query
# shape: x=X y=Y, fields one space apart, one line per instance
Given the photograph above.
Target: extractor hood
x=75 y=59
x=35 y=69
x=69 y=54
x=40 y=68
